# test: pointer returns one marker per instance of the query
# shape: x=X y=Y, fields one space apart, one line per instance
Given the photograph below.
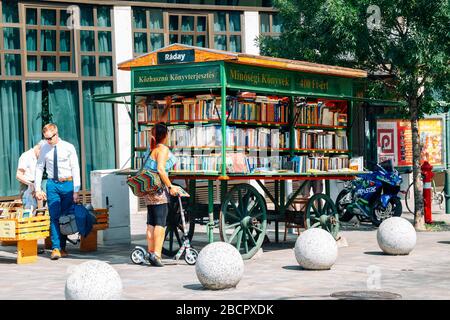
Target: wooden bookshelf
x=320 y=127
x=229 y=122
x=219 y=147
x=257 y=123
x=178 y=122
x=335 y=151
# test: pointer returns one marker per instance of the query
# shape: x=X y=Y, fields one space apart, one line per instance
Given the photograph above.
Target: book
x=357 y=163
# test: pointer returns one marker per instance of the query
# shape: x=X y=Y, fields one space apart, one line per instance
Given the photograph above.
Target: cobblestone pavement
x=273 y=275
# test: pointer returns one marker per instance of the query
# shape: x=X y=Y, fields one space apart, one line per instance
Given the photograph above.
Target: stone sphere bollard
x=316 y=249
x=219 y=266
x=396 y=236
x=93 y=280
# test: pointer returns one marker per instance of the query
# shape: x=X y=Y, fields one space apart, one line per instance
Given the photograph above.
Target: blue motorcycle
x=372 y=196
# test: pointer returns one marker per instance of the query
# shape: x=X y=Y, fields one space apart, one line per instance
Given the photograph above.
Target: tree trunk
x=419 y=220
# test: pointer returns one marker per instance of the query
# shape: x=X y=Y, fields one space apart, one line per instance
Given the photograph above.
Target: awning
x=119 y=98
x=125 y=98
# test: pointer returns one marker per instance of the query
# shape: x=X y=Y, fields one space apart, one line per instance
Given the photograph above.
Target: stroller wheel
x=191 y=256
x=137 y=256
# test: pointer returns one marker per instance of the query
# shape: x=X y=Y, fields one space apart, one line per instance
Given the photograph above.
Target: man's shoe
x=64 y=253
x=56 y=254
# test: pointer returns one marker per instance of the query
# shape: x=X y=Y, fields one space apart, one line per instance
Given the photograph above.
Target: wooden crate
x=26 y=232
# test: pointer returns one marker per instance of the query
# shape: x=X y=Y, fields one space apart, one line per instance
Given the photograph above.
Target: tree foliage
x=405 y=46
x=409 y=43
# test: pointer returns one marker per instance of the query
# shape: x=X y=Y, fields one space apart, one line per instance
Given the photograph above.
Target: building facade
x=55 y=55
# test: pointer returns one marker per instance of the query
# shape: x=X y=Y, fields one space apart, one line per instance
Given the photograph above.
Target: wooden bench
x=89 y=243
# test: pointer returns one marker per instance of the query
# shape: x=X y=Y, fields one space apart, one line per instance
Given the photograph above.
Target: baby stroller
x=139 y=254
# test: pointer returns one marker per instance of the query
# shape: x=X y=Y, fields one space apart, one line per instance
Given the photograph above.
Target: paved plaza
x=274 y=274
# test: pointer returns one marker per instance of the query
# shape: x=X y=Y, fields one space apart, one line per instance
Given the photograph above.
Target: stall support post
x=133 y=133
x=291 y=127
x=447 y=165
x=327 y=188
x=223 y=118
x=282 y=202
x=223 y=189
x=350 y=129
x=210 y=229
x=277 y=199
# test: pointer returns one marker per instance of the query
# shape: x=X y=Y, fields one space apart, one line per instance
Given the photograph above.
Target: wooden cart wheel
x=321 y=212
x=174 y=228
x=243 y=219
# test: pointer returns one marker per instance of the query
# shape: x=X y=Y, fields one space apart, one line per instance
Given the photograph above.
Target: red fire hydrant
x=427 y=178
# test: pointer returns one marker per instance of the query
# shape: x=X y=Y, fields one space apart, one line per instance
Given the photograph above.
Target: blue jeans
x=59 y=200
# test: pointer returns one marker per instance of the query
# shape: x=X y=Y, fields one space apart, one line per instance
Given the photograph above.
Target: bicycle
x=437 y=197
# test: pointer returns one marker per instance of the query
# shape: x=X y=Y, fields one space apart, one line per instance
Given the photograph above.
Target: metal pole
x=447 y=164
x=223 y=117
x=277 y=199
x=133 y=132
x=210 y=229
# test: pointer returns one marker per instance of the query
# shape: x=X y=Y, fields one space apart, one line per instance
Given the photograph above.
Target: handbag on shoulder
x=145 y=181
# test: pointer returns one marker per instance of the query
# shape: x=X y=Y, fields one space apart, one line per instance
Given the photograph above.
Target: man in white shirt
x=25 y=175
x=63 y=184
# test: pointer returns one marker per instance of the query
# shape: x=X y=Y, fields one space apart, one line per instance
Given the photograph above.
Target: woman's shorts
x=157 y=214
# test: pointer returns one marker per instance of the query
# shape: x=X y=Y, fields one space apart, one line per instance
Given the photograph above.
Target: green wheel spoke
x=256 y=205
x=240 y=205
x=245 y=204
x=251 y=237
x=258 y=229
x=245 y=241
x=229 y=214
x=232 y=225
x=239 y=241
x=234 y=234
x=315 y=225
x=236 y=209
x=316 y=212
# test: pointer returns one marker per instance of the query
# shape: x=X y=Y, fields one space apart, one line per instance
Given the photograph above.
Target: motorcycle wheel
x=344 y=215
x=396 y=211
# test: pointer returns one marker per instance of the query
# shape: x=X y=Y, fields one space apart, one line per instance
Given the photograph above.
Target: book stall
x=242 y=127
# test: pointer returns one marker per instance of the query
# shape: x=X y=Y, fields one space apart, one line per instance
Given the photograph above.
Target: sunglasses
x=48 y=139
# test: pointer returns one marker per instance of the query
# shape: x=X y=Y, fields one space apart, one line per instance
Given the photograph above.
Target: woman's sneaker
x=151 y=259
x=158 y=262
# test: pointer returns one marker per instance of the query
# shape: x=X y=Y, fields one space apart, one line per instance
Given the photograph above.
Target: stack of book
x=318 y=139
x=321 y=114
x=200 y=107
x=197 y=136
x=198 y=163
x=142 y=138
x=264 y=163
x=257 y=108
x=150 y=112
x=255 y=138
x=304 y=164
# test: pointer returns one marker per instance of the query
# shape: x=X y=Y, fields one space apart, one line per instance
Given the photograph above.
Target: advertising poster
x=430 y=131
x=394 y=141
x=387 y=141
